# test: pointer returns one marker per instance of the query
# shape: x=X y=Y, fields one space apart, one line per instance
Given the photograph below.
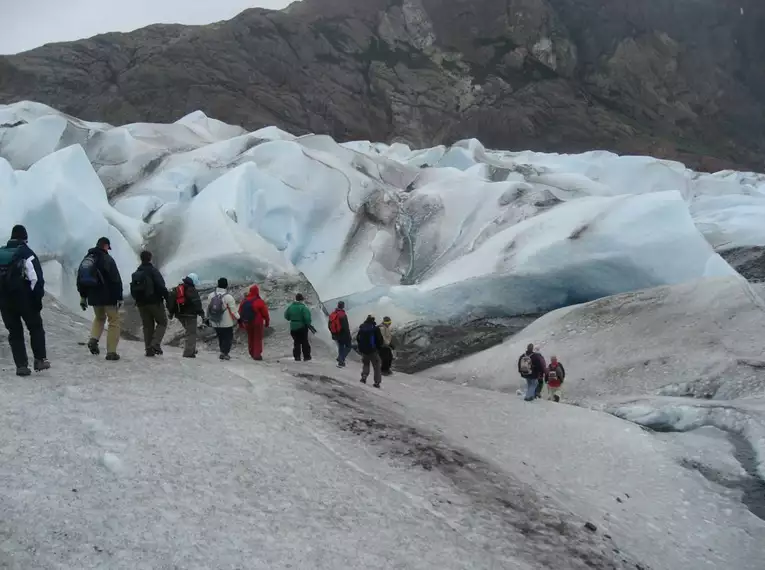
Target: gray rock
x=678 y=79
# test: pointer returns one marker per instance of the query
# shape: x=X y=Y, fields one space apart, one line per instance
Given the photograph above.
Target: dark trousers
x=300 y=343
x=386 y=356
x=154 y=321
x=225 y=339
x=14 y=319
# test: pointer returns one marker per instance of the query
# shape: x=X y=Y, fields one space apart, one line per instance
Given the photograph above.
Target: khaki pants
x=113 y=333
x=190 y=328
x=154 y=320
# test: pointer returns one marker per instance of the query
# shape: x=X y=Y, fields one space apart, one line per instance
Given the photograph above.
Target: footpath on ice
x=201 y=464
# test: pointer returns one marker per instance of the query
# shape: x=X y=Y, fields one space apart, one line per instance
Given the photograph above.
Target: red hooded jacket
x=258 y=305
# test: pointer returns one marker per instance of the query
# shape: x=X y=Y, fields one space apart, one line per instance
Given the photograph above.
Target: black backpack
x=366 y=338
x=88 y=274
x=141 y=286
x=12 y=271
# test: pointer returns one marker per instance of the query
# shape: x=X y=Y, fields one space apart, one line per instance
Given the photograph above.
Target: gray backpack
x=217 y=308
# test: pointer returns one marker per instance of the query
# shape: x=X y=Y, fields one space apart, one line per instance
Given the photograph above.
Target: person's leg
x=306 y=344
x=147 y=324
x=259 y=331
x=227 y=337
x=386 y=359
x=34 y=323
x=99 y=321
x=190 y=344
x=538 y=390
x=365 y=362
x=377 y=367
x=160 y=318
x=295 y=344
x=12 y=322
x=113 y=332
x=340 y=347
x=219 y=335
x=531 y=388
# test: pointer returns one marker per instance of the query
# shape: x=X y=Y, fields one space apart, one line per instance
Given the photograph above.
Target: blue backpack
x=88 y=275
x=247 y=312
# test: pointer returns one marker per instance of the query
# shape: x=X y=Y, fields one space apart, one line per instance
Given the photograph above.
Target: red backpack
x=335 y=321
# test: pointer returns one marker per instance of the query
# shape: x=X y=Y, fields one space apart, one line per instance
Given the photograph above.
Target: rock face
x=679 y=79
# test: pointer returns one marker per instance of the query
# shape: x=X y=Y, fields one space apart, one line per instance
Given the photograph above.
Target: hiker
x=100 y=286
x=555 y=376
x=22 y=288
x=341 y=333
x=300 y=323
x=222 y=315
x=254 y=318
x=543 y=376
x=386 y=350
x=531 y=366
x=184 y=302
x=148 y=289
x=369 y=340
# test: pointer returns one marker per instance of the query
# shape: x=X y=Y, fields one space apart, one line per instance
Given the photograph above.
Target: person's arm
x=306 y=316
x=159 y=283
x=263 y=308
x=379 y=340
x=287 y=314
x=113 y=278
x=231 y=306
x=562 y=372
x=345 y=327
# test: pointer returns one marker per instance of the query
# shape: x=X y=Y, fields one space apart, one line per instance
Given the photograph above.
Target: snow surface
x=449 y=233
x=201 y=464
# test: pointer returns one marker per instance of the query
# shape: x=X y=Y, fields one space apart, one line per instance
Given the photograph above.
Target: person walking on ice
x=370 y=340
x=100 y=286
x=22 y=288
x=148 y=289
x=386 y=350
x=299 y=318
x=255 y=319
x=555 y=376
x=184 y=302
x=341 y=333
x=223 y=316
x=531 y=366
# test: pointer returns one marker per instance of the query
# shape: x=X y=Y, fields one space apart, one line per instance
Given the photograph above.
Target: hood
x=15 y=243
x=254 y=292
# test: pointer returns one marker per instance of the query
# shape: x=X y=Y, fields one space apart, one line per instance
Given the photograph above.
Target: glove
x=83 y=303
x=239 y=322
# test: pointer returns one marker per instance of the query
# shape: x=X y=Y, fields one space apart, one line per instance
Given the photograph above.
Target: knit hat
x=341 y=304
x=19 y=232
x=387 y=320
x=299 y=297
x=194 y=278
x=104 y=241
x=222 y=283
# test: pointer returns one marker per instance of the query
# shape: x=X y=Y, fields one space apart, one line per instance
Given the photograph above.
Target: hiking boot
x=224 y=357
x=387 y=373
x=23 y=371
x=377 y=385
x=363 y=380
x=93 y=347
x=556 y=398
x=340 y=364
x=307 y=358
x=157 y=351
x=189 y=356
x=258 y=358
x=113 y=356
x=150 y=353
x=41 y=364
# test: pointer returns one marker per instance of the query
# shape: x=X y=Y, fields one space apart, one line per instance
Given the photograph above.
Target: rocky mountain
x=673 y=78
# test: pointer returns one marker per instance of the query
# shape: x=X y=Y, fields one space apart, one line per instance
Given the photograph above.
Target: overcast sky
x=30 y=23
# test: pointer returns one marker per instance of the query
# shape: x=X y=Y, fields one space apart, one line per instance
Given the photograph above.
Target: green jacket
x=298 y=315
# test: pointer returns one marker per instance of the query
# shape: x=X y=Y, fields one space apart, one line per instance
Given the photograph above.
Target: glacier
x=443 y=234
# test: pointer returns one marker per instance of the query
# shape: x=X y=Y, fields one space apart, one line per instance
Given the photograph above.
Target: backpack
x=336 y=322
x=12 y=271
x=141 y=285
x=217 y=308
x=88 y=274
x=526 y=365
x=366 y=339
x=176 y=299
x=247 y=312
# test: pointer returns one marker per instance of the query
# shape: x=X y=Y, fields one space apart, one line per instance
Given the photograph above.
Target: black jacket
x=192 y=306
x=160 y=289
x=369 y=338
x=33 y=298
x=109 y=291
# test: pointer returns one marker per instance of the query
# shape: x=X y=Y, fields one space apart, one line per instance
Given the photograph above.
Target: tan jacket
x=387 y=334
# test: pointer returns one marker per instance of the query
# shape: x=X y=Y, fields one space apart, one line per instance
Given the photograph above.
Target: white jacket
x=230 y=315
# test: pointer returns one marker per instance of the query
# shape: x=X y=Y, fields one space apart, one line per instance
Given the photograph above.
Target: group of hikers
x=100 y=287
x=533 y=368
